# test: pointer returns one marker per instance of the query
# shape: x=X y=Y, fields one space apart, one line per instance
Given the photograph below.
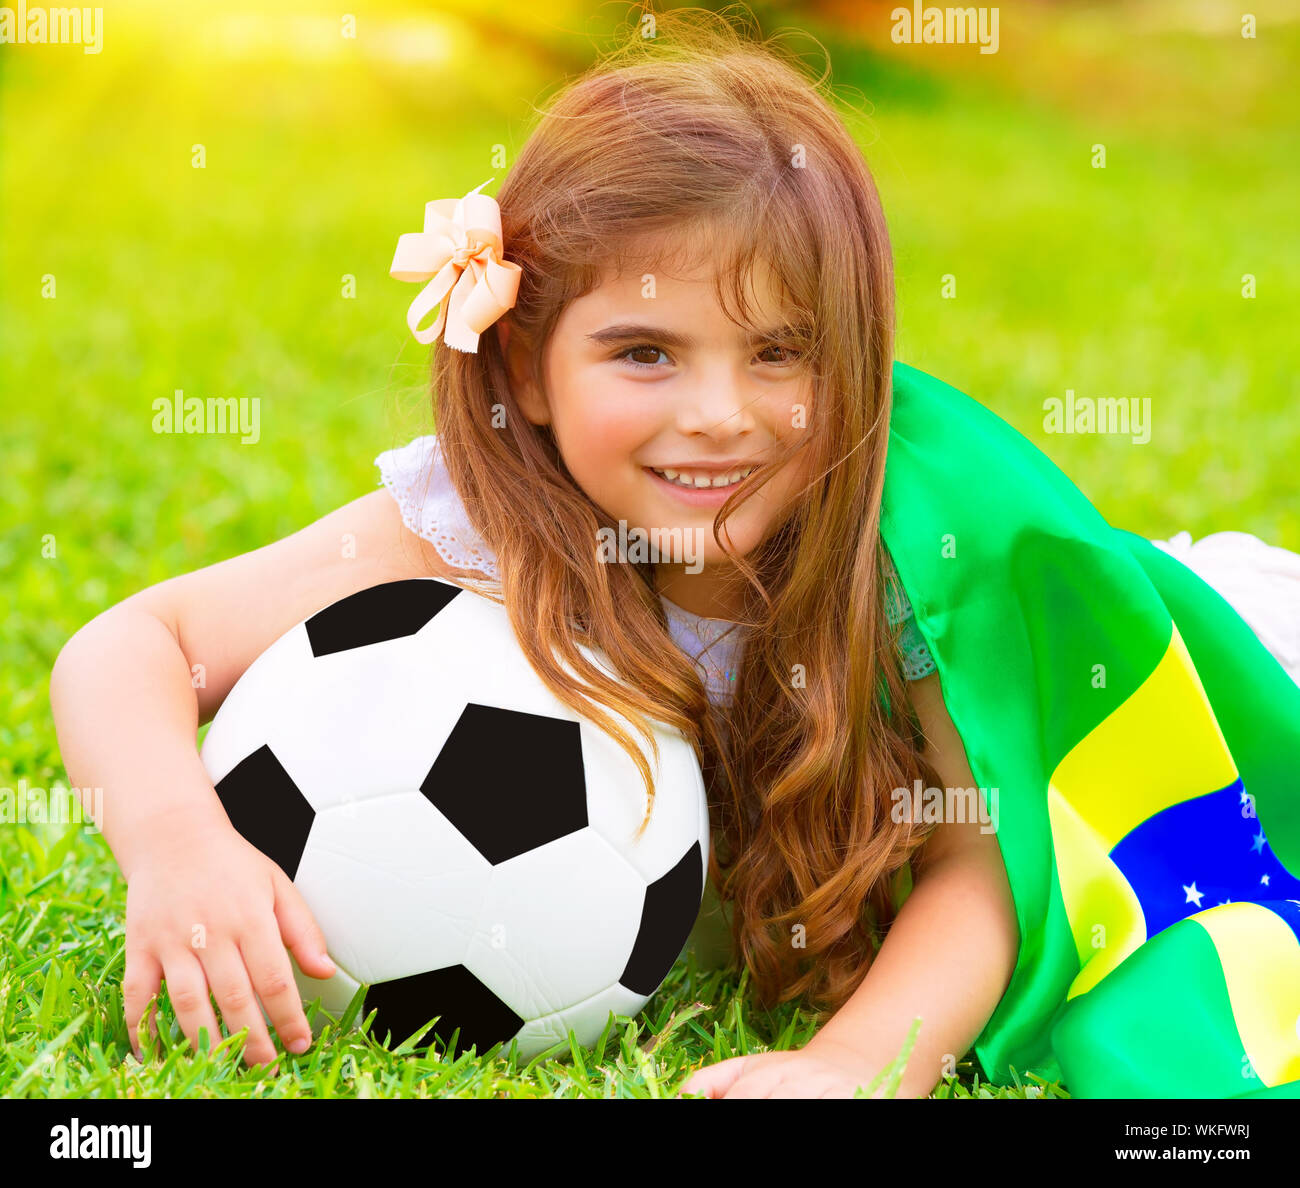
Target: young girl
x=678 y=317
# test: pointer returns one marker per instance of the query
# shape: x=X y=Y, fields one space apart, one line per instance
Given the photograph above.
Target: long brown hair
x=704 y=126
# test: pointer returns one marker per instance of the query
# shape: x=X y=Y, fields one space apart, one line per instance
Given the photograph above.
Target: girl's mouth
x=698 y=488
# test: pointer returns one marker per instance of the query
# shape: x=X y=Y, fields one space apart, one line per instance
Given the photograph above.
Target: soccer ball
x=463 y=839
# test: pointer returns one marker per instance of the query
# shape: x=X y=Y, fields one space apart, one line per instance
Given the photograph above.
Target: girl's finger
x=140 y=982
x=267 y=962
x=299 y=932
x=224 y=965
x=715 y=1080
x=758 y=1082
x=188 y=990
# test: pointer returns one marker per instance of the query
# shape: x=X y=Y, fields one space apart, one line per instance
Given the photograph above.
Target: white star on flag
x=1193 y=895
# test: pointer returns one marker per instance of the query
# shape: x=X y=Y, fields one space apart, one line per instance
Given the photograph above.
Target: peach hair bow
x=459 y=254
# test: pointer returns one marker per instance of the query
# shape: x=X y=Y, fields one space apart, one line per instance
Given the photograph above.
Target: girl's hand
x=204 y=908
x=815 y=1070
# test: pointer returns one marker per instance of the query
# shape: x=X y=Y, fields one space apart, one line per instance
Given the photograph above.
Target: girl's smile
x=702 y=485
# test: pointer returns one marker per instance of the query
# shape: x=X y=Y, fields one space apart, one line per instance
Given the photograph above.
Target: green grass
x=226 y=281
x=61 y=1018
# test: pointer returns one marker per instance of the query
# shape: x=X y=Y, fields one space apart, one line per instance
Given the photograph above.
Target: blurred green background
x=321 y=149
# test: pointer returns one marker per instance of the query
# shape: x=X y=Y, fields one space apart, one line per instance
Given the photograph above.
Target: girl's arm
x=949 y=954
x=126 y=710
x=124 y=690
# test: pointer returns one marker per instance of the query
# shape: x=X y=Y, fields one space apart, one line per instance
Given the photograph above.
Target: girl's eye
x=640 y=350
x=791 y=355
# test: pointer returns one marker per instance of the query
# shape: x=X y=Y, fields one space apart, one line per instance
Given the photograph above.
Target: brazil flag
x=1142 y=748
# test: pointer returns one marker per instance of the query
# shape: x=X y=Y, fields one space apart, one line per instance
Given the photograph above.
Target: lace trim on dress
x=917 y=661
x=416 y=476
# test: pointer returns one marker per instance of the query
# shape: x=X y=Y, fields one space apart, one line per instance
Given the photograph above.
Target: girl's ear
x=518 y=359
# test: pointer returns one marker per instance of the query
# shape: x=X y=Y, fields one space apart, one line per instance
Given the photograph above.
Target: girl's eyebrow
x=635 y=331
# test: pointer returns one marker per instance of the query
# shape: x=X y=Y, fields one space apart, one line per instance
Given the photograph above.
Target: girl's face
x=659 y=403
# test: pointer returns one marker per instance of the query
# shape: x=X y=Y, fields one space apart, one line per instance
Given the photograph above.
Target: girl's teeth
x=703 y=480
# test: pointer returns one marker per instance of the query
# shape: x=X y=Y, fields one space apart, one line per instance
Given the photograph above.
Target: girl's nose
x=718 y=405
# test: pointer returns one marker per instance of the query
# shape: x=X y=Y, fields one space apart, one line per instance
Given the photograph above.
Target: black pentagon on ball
x=509 y=781
x=405 y=1005
x=267 y=809
x=387 y=611
x=668 y=913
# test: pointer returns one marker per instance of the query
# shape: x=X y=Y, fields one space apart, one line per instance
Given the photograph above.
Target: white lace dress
x=1261 y=581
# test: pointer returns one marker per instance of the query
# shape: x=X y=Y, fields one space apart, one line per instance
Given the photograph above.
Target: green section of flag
x=1160 y=1024
x=1043 y=619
